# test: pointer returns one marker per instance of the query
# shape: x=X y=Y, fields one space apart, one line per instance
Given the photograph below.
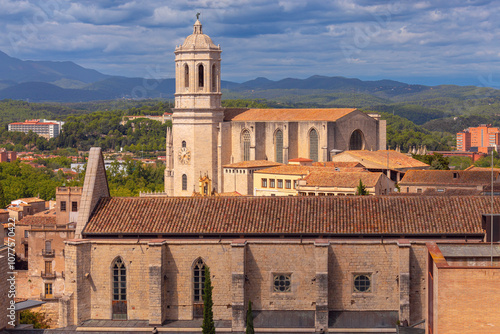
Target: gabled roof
x=383 y=159
x=259 y=115
x=341 y=179
x=448 y=177
x=356 y=215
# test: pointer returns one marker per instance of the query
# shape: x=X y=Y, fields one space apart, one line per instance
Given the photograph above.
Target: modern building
x=483 y=139
x=42 y=127
x=205 y=137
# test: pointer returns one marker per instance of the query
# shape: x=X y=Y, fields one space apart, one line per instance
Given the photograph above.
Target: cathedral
x=205 y=136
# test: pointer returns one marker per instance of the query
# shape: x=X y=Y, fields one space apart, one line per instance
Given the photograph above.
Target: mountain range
x=50 y=81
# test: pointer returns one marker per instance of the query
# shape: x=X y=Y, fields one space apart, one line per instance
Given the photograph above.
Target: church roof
x=259 y=115
x=352 y=215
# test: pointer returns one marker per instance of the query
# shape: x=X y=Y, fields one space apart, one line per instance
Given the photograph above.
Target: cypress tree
x=208 y=326
x=250 y=329
x=361 y=189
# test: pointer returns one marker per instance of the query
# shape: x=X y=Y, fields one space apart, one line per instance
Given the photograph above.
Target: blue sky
x=427 y=42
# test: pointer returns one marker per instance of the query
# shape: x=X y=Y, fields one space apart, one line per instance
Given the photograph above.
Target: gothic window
x=183 y=143
x=201 y=76
x=198 y=280
x=357 y=141
x=279 y=146
x=184 y=182
x=246 y=145
x=313 y=145
x=186 y=76
x=119 y=292
x=214 y=78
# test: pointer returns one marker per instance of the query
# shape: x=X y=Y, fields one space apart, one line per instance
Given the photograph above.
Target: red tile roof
x=42 y=218
x=341 y=179
x=242 y=115
x=338 y=164
x=447 y=177
x=366 y=215
x=380 y=159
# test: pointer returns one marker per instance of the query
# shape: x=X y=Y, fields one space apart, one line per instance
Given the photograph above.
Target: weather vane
x=198 y=16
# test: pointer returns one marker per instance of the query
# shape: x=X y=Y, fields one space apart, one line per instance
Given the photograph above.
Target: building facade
x=482 y=138
x=205 y=137
x=42 y=127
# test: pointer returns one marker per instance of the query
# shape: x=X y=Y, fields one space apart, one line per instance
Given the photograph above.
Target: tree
x=361 y=189
x=250 y=329
x=37 y=319
x=208 y=326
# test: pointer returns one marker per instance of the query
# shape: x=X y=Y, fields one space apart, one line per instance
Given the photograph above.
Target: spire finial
x=198 y=16
x=197 y=25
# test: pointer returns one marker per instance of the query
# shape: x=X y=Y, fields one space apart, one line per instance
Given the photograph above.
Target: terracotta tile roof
x=253 y=164
x=366 y=215
x=294 y=170
x=300 y=160
x=474 y=168
x=42 y=218
x=341 y=179
x=31 y=200
x=446 y=177
x=380 y=159
x=338 y=164
x=242 y=115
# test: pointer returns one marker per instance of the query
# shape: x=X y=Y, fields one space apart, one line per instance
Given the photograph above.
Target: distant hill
x=20 y=71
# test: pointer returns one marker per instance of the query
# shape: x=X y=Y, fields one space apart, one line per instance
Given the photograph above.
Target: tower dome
x=198 y=40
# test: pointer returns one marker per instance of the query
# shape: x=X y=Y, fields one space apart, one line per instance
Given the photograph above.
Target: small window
x=264 y=183
x=419 y=190
x=362 y=283
x=74 y=206
x=288 y=184
x=26 y=233
x=48 y=267
x=48 y=290
x=183 y=144
x=280 y=184
x=63 y=206
x=48 y=246
x=184 y=182
x=440 y=190
x=282 y=283
x=455 y=175
x=295 y=184
x=272 y=183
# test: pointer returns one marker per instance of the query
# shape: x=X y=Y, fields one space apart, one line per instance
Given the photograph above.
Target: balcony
x=48 y=275
x=49 y=296
x=48 y=253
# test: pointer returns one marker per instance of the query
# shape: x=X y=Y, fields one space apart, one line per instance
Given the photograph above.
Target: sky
x=423 y=42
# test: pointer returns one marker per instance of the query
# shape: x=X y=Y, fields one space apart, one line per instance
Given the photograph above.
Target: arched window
x=245 y=136
x=186 y=76
x=214 y=78
x=184 y=182
x=198 y=287
x=119 y=273
x=201 y=76
x=357 y=141
x=313 y=145
x=183 y=143
x=278 y=144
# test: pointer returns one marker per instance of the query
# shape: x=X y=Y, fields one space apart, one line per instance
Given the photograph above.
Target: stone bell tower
x=197 y=115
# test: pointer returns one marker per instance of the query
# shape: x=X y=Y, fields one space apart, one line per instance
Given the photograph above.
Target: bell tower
x=197 y=114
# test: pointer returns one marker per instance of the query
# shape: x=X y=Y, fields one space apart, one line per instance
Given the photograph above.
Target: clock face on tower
x=184 y=156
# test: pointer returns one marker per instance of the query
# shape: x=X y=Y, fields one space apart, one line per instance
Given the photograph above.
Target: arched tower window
x=186 y=76
x=357 y=141
x=119 y=302
x=279 y=146
x=183 y=143
x=214 y=78
x=246 y=145
x=313 y=145
x=198 y=287
x=201 y=76
x=184 y=182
